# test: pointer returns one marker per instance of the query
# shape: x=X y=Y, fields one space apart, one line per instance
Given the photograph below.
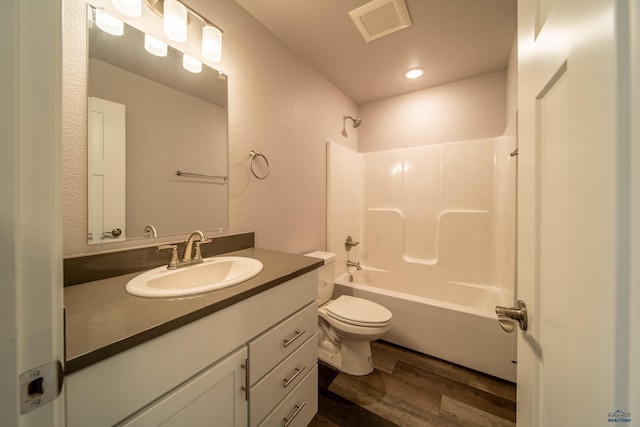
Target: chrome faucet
x=189 y=246
x=354 y=264
x=187 y=258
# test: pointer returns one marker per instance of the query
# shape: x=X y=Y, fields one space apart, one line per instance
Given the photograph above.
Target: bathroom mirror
x=157 y=137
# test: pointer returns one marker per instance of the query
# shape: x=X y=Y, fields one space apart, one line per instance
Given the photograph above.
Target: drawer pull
x=295 y=337
x=286 y=382
x=298 y=408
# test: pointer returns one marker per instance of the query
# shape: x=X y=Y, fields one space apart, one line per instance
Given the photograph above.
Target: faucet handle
x=349 y=243
x=198 y=254
x=173 y=263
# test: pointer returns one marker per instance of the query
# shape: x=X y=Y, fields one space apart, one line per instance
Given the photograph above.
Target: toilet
x=346 y=325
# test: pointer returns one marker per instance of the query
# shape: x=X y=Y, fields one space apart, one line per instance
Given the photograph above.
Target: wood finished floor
x=410 y=389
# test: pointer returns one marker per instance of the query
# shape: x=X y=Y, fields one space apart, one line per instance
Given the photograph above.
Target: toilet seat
x=358 y=312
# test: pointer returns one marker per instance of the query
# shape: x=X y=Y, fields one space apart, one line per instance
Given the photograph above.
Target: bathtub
x=451 y=321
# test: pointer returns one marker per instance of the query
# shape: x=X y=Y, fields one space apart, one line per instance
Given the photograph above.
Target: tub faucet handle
x=349 y=243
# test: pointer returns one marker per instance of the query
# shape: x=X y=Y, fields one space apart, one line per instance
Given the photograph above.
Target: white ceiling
x=451 y=39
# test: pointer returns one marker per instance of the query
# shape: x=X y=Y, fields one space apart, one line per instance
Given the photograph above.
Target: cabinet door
x=213 y=398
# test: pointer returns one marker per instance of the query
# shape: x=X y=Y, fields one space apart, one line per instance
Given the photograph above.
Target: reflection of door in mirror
x=107 y=171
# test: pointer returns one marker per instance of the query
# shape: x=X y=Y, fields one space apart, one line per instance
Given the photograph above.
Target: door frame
x=31 y=307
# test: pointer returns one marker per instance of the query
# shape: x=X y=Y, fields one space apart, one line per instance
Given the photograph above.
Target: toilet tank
x=326 y=275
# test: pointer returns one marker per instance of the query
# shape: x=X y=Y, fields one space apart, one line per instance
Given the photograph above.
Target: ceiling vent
x=380 y=17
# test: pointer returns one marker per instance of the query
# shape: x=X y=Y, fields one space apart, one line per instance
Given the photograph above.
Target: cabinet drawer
x=299 y=407
x=270 y=348
x=271 y=389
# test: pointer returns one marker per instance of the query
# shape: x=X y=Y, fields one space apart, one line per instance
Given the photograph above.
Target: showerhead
x=356 y=122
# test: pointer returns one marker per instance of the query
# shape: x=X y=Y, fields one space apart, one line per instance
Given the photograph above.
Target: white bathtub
x=451 y=321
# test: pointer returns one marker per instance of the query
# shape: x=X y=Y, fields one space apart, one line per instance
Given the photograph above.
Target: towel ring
x=253 y=155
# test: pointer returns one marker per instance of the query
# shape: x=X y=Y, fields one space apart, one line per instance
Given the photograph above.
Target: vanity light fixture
x=175 y=21
x=155 y=46
x=132 y=8
x=176 y=18
x=211 y=43
x=109 y=24
x=414 y=73
x=191 y=64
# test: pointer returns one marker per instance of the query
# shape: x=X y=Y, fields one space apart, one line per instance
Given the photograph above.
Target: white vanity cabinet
x=280 y=360
x=215 y=397
x=196 y=375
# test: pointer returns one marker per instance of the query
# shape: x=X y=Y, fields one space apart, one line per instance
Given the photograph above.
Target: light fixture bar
x=132 y=8
x=157 y=7
x=176 y=18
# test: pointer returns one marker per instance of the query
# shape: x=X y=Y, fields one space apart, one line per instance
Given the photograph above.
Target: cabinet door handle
x=286 y=382
x=295 y=337
x=245 y=387
x=298 y=408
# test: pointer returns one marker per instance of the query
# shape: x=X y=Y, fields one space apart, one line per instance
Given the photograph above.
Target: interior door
x=107 y=171
x=573 y=212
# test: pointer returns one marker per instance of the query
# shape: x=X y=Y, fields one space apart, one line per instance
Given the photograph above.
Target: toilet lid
x=358 y=311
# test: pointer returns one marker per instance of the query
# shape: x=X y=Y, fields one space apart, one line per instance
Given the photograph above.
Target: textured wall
x=278 y=105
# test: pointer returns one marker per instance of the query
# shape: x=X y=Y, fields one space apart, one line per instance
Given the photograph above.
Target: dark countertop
x=103 y=319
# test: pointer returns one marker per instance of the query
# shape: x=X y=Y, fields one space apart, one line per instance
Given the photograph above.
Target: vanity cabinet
x=216 y=394
x=280 y=360
x=197 y=374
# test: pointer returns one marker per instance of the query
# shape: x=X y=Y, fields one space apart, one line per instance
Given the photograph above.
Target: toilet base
x=354 y=357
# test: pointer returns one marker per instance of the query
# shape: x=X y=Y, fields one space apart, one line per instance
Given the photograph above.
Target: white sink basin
x=213 y=273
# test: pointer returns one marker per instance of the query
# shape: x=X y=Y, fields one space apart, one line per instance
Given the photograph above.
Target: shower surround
x=436 y=226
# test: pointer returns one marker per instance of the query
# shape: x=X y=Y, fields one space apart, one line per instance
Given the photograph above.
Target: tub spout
x=354 y=264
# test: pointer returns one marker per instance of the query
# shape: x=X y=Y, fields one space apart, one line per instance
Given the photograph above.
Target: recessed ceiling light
x=414 y=73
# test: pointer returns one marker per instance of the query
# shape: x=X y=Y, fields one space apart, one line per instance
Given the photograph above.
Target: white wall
x=278 y=105
x=512 y=90
x=468 y=109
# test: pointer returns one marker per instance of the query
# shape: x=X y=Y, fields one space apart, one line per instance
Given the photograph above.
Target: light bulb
x=175 y=21
x=414 y=73
x=211 y=43
x=191 y=64
x=108 y=23
x=131 y=8
x=155 y=46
